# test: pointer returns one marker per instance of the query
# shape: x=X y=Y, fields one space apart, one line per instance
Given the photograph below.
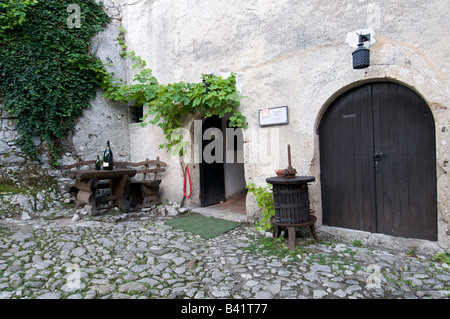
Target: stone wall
x=106 y=120
x=10 y=154
x=296 y=54
x=26 y=188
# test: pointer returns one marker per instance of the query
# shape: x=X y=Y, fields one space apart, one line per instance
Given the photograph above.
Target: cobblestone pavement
x=144 y=258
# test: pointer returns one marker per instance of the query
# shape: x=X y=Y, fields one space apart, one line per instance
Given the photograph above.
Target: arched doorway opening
x=378 y=162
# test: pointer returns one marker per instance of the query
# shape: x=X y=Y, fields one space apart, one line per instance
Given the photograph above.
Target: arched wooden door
x=378 y=162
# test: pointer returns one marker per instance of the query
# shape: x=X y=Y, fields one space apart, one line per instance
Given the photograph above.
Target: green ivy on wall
x=13 y=13
x=47 y=74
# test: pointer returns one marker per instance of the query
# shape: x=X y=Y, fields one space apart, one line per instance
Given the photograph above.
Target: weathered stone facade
x=283 y=53
x=296 y=54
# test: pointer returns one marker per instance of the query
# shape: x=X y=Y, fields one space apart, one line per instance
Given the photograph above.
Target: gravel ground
x=139 y=257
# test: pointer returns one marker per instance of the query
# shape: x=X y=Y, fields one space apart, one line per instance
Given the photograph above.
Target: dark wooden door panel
x=346 y=142
x=405 y=135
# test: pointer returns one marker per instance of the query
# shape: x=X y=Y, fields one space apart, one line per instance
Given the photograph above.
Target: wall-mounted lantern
x=361 y=56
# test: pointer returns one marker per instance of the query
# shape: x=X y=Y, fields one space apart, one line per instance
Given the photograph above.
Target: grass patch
x=442 y=257
x=11 y=189
x=268 y=246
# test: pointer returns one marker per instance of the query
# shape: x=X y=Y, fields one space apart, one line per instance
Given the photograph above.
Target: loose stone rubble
x=118 y=256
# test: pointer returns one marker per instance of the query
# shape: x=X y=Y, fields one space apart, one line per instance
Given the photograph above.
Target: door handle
x=377 y=157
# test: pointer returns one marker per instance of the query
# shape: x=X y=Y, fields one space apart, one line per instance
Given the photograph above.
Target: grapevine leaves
x=170 y=105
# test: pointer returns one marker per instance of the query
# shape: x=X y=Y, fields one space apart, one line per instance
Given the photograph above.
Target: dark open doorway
x=222 y=178
x=212 y=180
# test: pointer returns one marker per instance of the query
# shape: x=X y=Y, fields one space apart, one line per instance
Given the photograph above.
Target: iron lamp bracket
x=363 y=37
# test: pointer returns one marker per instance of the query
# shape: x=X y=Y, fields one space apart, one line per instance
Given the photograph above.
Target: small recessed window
x=137 y=114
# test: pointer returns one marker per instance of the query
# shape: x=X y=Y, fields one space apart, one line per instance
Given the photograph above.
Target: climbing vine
x=264 y=198
x=169 y=105
x=47 y=74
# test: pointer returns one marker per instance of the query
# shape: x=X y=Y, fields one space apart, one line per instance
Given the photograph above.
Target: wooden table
x=86 y=181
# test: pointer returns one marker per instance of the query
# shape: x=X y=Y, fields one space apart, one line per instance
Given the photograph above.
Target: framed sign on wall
x=273 y=116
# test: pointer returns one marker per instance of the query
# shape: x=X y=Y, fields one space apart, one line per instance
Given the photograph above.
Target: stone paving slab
x=145 y=259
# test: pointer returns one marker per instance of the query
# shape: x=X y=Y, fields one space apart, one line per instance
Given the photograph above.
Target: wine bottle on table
x=108 y=158
x=98 y=165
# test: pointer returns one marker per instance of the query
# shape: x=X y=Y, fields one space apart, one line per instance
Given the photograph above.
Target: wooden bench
x=145 y=190
x=144 y=186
